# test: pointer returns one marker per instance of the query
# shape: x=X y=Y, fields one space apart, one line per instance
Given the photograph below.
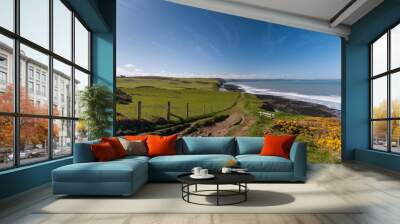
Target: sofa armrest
x=298 y=155
x=83 y=152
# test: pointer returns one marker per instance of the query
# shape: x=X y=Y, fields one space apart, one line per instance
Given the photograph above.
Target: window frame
x=388 y=74
x=16 y=114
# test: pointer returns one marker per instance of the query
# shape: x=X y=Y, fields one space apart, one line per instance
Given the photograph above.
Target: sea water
x=323 y=92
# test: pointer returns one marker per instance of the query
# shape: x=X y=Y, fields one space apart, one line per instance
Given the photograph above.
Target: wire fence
x=172 y=112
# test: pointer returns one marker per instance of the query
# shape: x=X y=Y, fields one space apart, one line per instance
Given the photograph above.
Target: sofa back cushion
x=104 y=152
x=83 y=152
x=116 y=146
x=206 y=145
x=249 y=145
x=161 y=145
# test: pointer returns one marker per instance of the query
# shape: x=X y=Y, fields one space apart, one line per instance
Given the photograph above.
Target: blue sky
x=156 y=37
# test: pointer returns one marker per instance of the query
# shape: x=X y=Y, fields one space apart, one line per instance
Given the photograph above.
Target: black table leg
x=217 y=194
x=245 y=193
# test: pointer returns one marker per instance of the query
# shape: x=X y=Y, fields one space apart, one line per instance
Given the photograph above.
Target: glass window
x=379 y=135
x=30 y=71
x=7 y=14
x=6 y=74
x=34 y=80
x=395 y=47
x=62 y=71
x=395 y=136
x=379 y=56
x=379 y=98
x=33 y=139
x=62 y=138
x=395 y=95
x=40 y=62
x=81 y=45
x=6 y=142
x=30 y=87
x=62 y=29
x=81 y=82
x=34 y=21
x=383 y=138
x=81 y=131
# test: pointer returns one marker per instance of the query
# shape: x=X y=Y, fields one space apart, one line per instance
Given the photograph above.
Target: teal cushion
x=185 y=163
x=257 y=163
x=111 y=171
x=207 y=145
x=249 y=145
x=83 y=152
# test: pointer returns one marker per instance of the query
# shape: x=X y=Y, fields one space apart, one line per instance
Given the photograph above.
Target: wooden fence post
x=139 y=110
x=187 y=110
x=169 y=111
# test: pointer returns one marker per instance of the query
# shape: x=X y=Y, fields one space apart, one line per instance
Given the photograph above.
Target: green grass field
x=205 y=100
x=202 y=95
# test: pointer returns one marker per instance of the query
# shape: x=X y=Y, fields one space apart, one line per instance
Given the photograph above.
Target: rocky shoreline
x=280 y=104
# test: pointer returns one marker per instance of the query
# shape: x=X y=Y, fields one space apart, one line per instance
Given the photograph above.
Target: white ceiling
x=321 y=9
x=327 y=16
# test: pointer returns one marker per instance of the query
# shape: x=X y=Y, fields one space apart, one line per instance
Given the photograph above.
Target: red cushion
x=161 y=145
x=277 y=145
x=116 y=145
x=136 y=137
x=103 y=152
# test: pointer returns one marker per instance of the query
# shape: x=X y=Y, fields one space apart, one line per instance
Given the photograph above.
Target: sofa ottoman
x=119 y=177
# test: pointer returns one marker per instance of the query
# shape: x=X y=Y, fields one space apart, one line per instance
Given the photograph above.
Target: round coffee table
x=238 y=179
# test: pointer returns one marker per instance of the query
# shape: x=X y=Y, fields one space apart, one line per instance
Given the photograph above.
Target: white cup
x=196 y=171
x=226 y=170
x=203 y=172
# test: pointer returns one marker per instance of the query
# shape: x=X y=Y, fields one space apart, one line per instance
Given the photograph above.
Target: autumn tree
x=33 y=131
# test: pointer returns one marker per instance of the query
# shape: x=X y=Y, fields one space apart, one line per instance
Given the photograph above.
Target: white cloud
x=133 y=70
x=128 y=70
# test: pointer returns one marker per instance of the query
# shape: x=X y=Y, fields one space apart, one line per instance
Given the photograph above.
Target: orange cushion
x=116 y=145
x=136 y=137
x=161 y=145
x=277 y=145
x=142 y=138
x=103 y=152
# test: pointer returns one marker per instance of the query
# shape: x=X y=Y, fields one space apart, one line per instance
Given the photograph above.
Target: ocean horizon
x=325 y=92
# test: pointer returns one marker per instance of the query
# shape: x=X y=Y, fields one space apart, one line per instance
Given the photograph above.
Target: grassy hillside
x=205 y=101
x=202 y=95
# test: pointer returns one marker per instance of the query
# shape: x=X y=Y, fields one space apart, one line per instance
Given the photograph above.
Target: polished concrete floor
x=379 y=190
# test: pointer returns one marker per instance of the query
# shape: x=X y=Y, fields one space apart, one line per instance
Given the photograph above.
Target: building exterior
x=34 y=79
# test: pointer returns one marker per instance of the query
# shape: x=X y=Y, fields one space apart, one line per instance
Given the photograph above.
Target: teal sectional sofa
x=125 y=176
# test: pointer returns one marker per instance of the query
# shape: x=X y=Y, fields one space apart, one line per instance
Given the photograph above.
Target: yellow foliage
x=324 y=132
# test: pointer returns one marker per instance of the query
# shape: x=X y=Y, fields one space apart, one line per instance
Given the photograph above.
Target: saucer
x=208 y=176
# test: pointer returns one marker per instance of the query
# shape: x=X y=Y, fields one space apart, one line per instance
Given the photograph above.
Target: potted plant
x=96 y=102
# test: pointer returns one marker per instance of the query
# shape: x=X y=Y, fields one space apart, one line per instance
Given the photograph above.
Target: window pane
x=395 y=47
x=62 y=138
x=81 y=131
x=7 y=14
x=379 y=97
x=395 y=94
x=35 y=21
x=62 y=89
x=6 y=74
x=81 y=82
x=379 y=55
x=62 y=29
x=379 y=135
x=81 y=45
x=395 y=136
x=6 y=142
x=33 y=140
x=34 y=72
